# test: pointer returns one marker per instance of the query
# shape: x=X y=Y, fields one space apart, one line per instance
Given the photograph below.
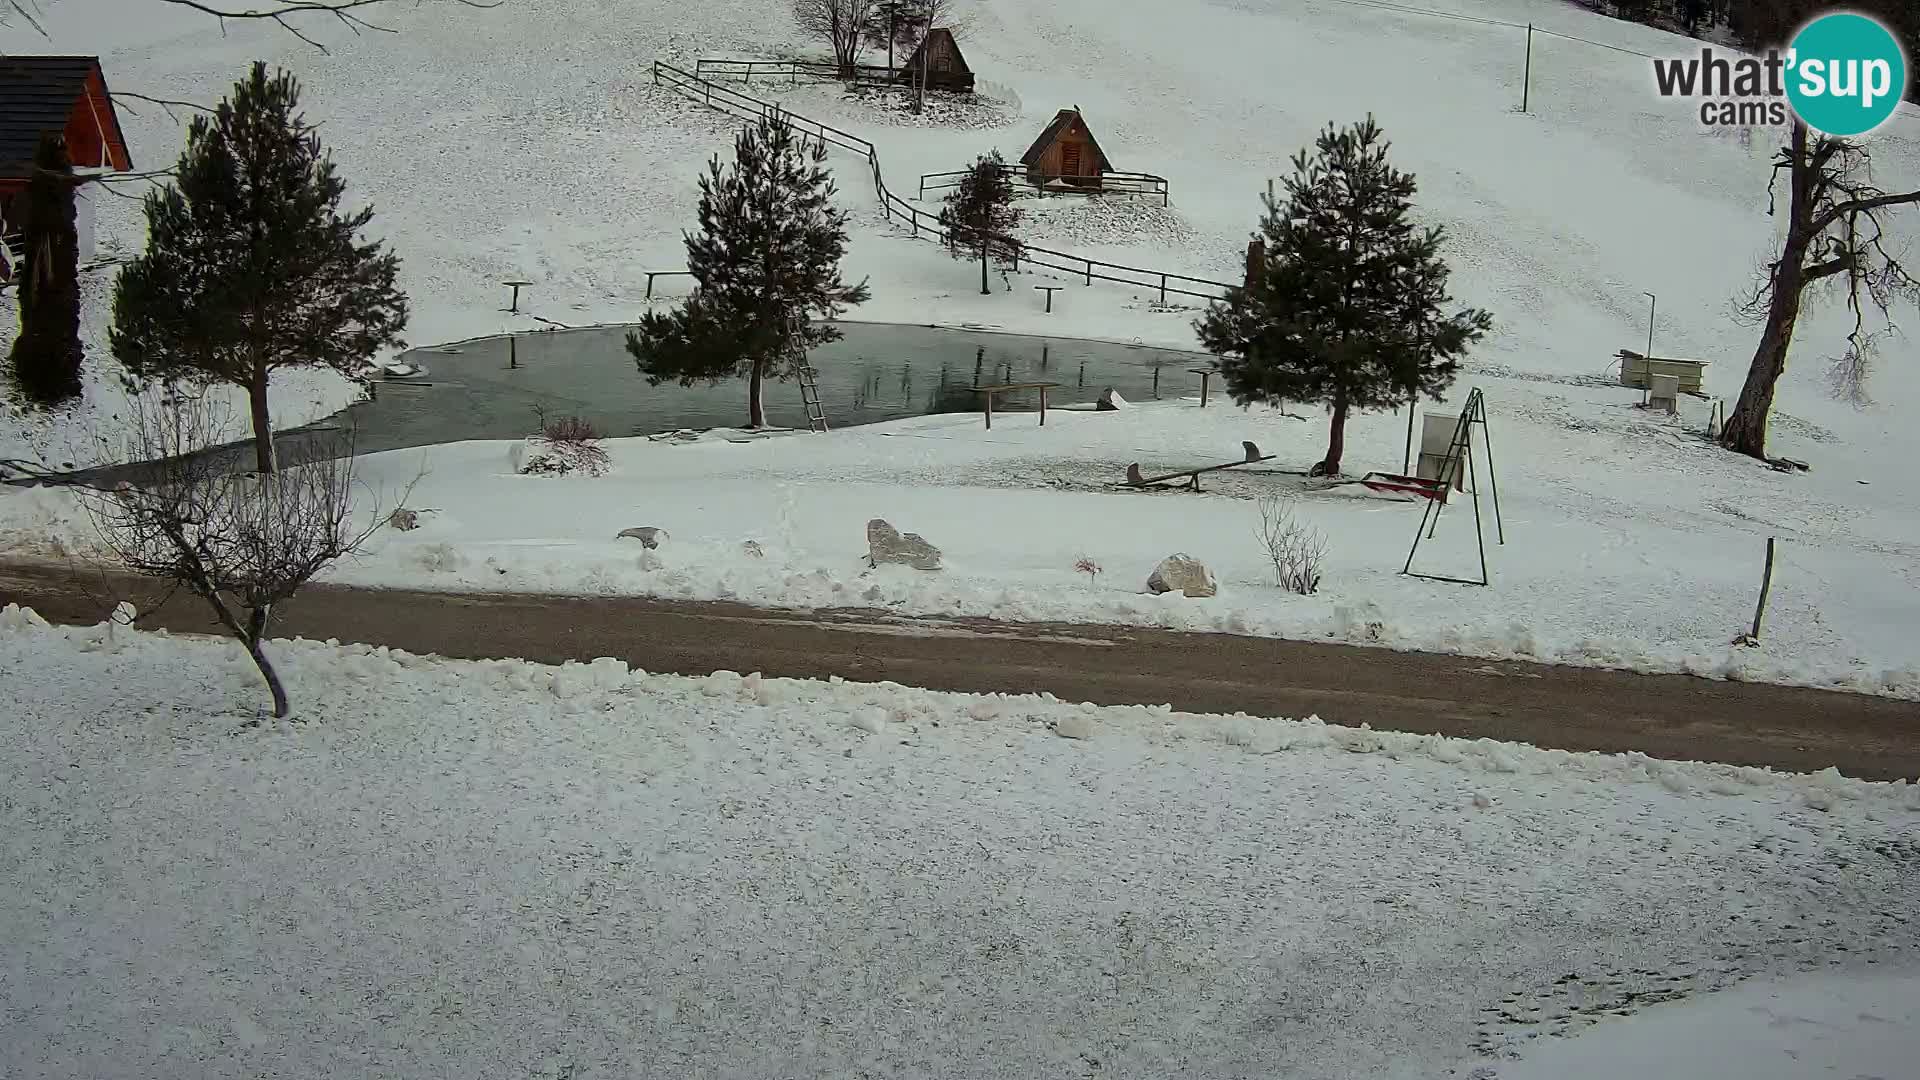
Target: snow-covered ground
x=506 y=870
x=525 y=140
x=1651 y=565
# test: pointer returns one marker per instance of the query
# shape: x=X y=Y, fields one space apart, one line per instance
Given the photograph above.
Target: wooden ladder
x=810 y=397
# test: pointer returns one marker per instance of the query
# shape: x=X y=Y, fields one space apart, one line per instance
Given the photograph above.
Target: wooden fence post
x=1163 y=288
x=1766 y=586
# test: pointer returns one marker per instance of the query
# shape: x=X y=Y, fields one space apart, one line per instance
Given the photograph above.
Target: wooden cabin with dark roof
x=1066 y=155
x=945 y=66
x=60 y=95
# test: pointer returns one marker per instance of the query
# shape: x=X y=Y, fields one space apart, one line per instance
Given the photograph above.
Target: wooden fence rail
x=1110 y=183
x=729 y=100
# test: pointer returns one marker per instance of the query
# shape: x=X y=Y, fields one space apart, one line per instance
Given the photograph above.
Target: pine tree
x=250 y=266
x=980 y=211
x=1345 y=310
x=766 y=261
x=45 y=361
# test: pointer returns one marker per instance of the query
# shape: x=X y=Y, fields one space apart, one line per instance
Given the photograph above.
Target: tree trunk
x=984 y=291
x=264 y=459
x=256 y=632
x=1745 y=431
x=1336 y=442
x=757 y=395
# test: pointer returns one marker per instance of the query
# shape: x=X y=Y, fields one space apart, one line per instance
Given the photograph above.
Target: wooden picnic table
x=989 y=391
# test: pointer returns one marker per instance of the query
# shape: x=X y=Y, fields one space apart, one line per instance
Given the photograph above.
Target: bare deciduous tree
x=243 y=542
x=1295 y=549
x=842 y=23
x=1835 y=234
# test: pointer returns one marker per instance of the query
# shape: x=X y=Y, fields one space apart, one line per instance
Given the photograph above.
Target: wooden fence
x=739 y=103
x=1111 y=183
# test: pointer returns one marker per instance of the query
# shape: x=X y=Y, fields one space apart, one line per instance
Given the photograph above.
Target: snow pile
x=542 y=456
x=502 y=867
x=892 y=108
x=1860 y=1026
x=1070 y=222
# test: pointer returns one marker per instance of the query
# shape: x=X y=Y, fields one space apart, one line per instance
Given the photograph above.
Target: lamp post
x=1646 y=392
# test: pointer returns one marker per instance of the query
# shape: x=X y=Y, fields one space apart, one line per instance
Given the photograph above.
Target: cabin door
x=1070 y=159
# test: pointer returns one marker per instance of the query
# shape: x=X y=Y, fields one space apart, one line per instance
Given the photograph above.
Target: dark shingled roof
x=941 y=31
x=1060 y=122
x=37 y=94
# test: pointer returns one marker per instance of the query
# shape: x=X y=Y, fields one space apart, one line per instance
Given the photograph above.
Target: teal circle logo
x=1846 y=74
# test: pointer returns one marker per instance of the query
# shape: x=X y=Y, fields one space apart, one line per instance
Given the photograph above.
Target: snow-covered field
x=526 y=140
x=1653 y=565
x=498 y=869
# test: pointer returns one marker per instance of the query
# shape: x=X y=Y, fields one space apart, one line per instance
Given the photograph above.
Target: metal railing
x=919 y=221
x=1107 y=183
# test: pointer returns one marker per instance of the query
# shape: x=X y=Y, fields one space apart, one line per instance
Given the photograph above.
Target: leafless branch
x=346 y=11
x=243 y=542
x=121 y=97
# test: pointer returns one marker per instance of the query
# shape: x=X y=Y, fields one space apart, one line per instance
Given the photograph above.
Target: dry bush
x=194 y=517
x=1295 y=549
x=565 y=445
x=568 y=429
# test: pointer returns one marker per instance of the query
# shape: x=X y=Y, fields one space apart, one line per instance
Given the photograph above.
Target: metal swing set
x=1459 y=448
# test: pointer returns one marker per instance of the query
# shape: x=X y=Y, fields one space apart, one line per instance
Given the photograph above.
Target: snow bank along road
x=504 y=871
x=1677 y=717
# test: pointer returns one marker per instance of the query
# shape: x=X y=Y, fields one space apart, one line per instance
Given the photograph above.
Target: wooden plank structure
x=990 y=391
x=1192 y=476
x=1636 y=368
x=1066 y=155
x=946 y=68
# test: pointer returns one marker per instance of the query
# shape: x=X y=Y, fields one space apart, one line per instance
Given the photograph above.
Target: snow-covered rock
x=886 y=545
x=649 y=536
x=1184 y=574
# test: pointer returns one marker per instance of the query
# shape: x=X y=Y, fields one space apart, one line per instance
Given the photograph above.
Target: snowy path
x=500 y=870
x=1570 y=708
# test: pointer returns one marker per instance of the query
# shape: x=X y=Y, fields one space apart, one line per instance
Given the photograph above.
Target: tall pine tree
x=250 y=266
x=45 y=362
x=1346 y=309
x=766 y=261
x=980 y=212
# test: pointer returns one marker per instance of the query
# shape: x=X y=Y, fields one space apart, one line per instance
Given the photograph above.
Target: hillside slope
x=526 y=141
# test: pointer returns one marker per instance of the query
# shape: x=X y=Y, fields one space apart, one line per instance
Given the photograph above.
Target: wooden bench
x=989 y=391
x=1410 y=485
x=1192 y=476
x=1636 y=369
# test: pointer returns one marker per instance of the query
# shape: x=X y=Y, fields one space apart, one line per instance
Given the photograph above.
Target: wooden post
x=1766 y=586
x=1205 y=377
x=1526 y=75
x=1089 y=271
x=1163 y=288
x=988 y=394
x=513 y=353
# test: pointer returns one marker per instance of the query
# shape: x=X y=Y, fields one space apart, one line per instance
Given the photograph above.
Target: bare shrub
x=244 y=542
x=566 y=444
x=1087 y=566
x=569 y=429
x=1295 y=549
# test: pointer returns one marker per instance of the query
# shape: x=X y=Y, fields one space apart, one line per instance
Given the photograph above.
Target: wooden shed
x=946 y=68
x=1066 y=154
x=58 y=95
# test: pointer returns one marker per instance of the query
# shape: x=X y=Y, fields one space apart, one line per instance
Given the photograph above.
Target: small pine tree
x=766 y=261
x=1346 y=308
x=980 y=211
x=250 y=266
x=45 y=361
